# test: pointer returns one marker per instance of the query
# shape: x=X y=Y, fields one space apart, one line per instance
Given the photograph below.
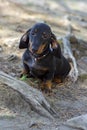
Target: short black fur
x=48 y=62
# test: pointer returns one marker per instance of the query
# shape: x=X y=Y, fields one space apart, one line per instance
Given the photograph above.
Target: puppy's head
x=38 y=38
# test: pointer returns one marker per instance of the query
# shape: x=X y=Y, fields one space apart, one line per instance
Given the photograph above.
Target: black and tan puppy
x=42 y=57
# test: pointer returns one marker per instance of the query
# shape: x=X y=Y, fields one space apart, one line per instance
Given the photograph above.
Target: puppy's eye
x=34 y=32
x=45 y=35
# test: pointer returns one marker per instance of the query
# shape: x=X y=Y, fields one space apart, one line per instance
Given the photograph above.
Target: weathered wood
x=67 y=52
x=69 y=55
x=33 y=96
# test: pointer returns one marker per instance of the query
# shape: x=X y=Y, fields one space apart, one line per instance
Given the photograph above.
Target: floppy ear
x=56 y=50
x=24 y=41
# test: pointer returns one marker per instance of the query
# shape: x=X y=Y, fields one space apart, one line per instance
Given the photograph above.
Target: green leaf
x=24 y=77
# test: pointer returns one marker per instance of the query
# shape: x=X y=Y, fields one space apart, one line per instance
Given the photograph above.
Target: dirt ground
x=68 y=99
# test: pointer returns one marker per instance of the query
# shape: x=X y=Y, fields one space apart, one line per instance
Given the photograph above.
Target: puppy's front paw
x=24 y=72
x=57 y=80
x=46 y=86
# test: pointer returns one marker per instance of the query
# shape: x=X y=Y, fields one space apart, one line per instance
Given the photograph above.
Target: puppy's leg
x=47 y=83
x=25 y=57
x=25 y=70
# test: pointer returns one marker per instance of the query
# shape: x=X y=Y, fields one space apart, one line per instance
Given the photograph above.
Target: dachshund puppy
x=42 y=57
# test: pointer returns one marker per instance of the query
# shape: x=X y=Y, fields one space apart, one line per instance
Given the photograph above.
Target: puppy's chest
x=38 y=65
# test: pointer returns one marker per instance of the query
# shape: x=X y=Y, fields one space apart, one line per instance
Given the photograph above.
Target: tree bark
x=67 y=52
x=33 y=96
